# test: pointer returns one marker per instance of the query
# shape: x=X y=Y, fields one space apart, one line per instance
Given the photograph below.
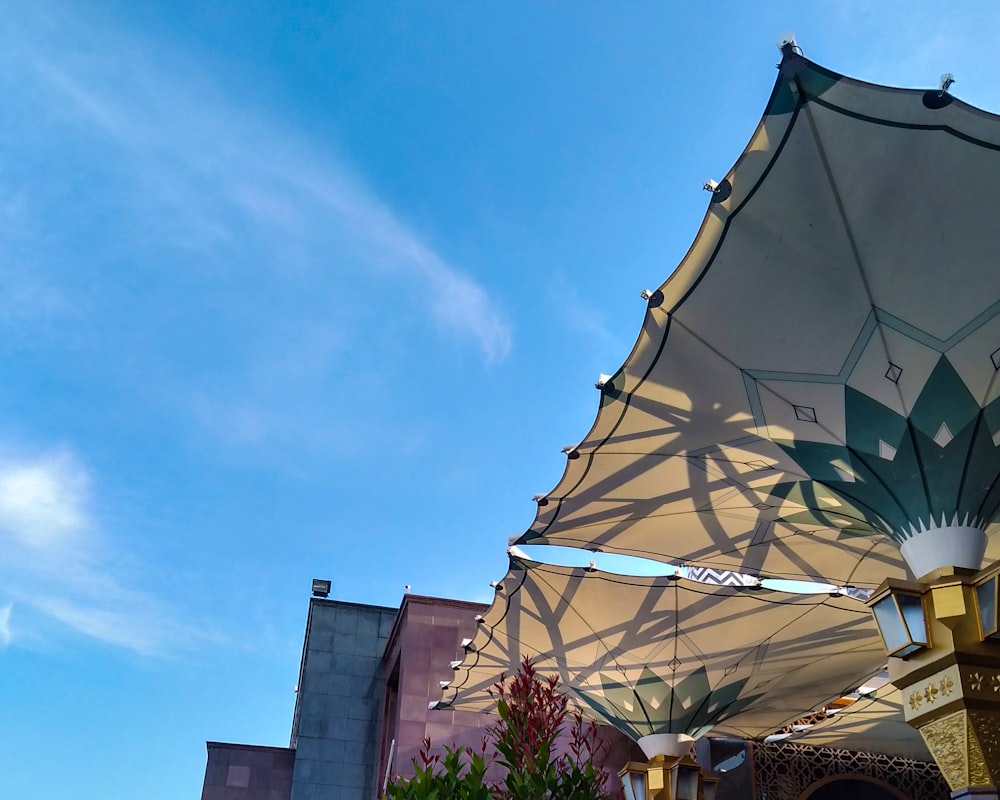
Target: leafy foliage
x=532 y=714
x=444 y=778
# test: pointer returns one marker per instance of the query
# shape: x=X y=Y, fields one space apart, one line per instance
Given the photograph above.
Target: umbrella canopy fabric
x=873 y=723
x=654 y=655
x=817 y=382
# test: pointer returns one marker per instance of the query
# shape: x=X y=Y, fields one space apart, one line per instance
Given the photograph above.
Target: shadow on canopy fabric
x=873 y=723
x=817 y=382
x=669 y=655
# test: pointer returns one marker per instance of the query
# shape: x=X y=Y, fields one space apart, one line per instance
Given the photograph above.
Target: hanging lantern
x=901 y=616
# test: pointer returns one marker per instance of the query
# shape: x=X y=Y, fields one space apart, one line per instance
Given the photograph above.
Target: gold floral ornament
x=976 y=682
x=916 y=700
x=947 y=686
x=930 y=693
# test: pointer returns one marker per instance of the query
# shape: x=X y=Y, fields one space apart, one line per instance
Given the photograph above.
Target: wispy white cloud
x=214 y=177
x=256 y=240
x=57 y=566
x=41 y=500
x=5 y=614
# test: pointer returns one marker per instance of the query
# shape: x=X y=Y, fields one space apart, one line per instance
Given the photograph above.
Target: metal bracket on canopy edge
x=720 y=189
x=653 y=299
x=940 y=98
x=571 y=452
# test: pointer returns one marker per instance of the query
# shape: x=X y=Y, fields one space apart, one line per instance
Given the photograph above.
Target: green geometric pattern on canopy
x=900 y=475
x=653 y=705
x=816 y=385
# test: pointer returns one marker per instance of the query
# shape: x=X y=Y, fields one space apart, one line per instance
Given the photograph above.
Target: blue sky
x=319 y=289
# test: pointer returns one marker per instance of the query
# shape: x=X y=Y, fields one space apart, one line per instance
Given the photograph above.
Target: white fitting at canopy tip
x=710 y=185
x=944 y=546
x=645 y=294
x=666 y=744
x=786 y=40
x=516 y=552
x=601 y=380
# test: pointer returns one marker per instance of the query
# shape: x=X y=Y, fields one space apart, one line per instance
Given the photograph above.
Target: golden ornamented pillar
x=950 y=679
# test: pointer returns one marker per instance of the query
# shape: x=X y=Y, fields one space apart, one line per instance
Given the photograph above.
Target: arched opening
x=851 y=787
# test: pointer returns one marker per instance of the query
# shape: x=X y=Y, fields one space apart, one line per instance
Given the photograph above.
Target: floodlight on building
x=901 y=616
x=645 y=294
x=602 y=379
x=321 y=588
x=947 y=79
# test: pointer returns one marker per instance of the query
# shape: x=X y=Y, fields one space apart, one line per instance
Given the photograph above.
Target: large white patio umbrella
x=814 y=392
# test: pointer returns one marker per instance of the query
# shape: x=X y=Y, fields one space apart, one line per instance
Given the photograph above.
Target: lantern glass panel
x=637 y=783
x=687 y=782
x=913 y=613
x=986 y=599
x=890 y=624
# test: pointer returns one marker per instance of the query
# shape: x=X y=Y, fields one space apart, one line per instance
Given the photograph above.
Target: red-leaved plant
x=532 y=714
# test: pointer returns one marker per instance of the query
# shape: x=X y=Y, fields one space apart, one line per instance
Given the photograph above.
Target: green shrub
x=444 y=778
x=532 y=713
